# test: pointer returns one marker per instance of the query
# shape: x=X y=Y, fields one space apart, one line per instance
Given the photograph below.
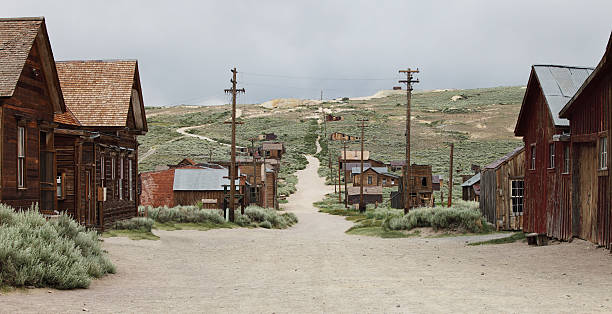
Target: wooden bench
x=539 y=239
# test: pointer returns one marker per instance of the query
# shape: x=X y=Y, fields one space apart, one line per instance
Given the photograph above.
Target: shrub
x=266 y=224
x=59 y=253
x=276 y=220
x=464 y=217
x=243 y=220
x=136 y=223
x=181 y=214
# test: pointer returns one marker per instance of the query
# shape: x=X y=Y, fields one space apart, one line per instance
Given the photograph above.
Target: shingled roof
x=99 y=93
x=17 y=38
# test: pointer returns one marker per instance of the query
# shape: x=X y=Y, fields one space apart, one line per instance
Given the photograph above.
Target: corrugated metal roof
x=559 y=84
x=500 y=161
x=471 y=181
x=207 y=179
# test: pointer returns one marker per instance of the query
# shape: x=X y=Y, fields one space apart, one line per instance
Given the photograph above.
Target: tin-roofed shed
x=471 y=188
x=502 y=191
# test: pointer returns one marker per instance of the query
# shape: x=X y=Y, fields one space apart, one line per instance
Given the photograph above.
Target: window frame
x=566 y=159
x=532 y=156
x=551 y=155
x=102 y=170
x=131 y=178
x=21 y=155
x=370 y=180
x=602 y=153
x=121 y=177
x=514 y=197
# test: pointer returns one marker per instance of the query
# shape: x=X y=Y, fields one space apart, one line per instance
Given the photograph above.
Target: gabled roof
x=351 y=165
x=508 y=156
x=558 y=84
x=205 y=179
x=17 y=38
x=602 y=64
x=471 y=181
x=379 y=170
x=100 y=93
x=355 y=155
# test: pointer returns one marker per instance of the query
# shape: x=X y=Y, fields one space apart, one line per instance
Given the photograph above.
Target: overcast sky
x=185 y=49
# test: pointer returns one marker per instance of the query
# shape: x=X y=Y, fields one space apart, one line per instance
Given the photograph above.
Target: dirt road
x=315 y=267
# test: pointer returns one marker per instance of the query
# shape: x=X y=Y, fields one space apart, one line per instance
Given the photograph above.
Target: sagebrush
x=59 y=253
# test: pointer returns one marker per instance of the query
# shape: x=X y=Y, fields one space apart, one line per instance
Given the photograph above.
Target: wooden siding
x=590 y=121
x=496 y=196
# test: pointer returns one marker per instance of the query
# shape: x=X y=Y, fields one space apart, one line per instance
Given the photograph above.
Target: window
x=566 y=159
x=21 y=157
x=533 y=157
x=384 y=181
x=102 y=174
x=551 y=155
x=369 y=179
x=113 y=164
x=424 y=181
x=130 y=178
x=603 y=153
x=518 y=192
x=121 y=178
x=61 y=186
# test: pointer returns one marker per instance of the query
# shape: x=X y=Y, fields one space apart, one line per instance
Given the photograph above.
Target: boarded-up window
x=533 y=157
x=603 y=153
x=21 y=157
x=551 y=155
x=566 y=159
x=518 y=192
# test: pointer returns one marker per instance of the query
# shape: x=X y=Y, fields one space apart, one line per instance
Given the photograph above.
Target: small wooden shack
x=338 y=136
x=371 y=195
x=502 y=191
x=374 y=176
x=589 y=114
x=421 y=188
x=273 y=149
x=470 y=189
x=547 y=206
x=331 y=118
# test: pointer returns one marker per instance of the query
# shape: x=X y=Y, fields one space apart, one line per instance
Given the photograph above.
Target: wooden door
x=586 y=192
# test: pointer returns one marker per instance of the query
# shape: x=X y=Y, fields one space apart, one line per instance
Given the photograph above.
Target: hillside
x=479 y=121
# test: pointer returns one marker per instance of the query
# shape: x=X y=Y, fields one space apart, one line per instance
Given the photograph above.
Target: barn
x=589 y=115
x=547 y=202
x=30 y=95
x=502 y=186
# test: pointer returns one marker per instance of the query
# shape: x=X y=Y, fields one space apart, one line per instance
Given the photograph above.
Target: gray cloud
x=186 y=48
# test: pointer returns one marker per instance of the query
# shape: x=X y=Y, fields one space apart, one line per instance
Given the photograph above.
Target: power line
x=318 y=78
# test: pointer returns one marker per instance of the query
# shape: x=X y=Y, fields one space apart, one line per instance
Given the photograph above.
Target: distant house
x=420 y=188
x=471 y=188
x=436 y=182
x=374 y=176
x=348 y=168
x=397 y=165
x=338 y=136
x=30 y=95
x=96 y=141
x=502 y=191
x=183 y=163
x=547 y=148
x=273 y=149
x=332 y=118
x=371 y=195
x=267 y=137
x=589 y=114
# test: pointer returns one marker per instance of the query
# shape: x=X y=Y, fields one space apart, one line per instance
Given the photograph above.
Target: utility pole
x=321 y=95
x=407 y=170
x=450 y=177
x=339 y=186
x=345 y=181
x=362 y=206
x=210 y=153
x=234 y=91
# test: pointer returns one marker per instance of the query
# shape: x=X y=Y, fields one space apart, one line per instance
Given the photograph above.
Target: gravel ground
x=315 y=267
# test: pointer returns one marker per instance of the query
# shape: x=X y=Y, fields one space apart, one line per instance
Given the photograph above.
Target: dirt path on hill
x=315 y=267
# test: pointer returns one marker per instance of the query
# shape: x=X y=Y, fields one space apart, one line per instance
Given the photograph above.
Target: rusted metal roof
x=506 y=157
x=471 y=181
x=100 y=92
x=559 y=83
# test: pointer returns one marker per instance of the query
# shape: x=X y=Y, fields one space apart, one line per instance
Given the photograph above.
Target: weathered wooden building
x=470 y=189
x=331 y=118
x=547 y=201
x=96 y=142
x=589 y=114
x=502 y=187
x=421 y=188
x=371 y=195
x=30 y=95
x=374 y=176
x=273 y=149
